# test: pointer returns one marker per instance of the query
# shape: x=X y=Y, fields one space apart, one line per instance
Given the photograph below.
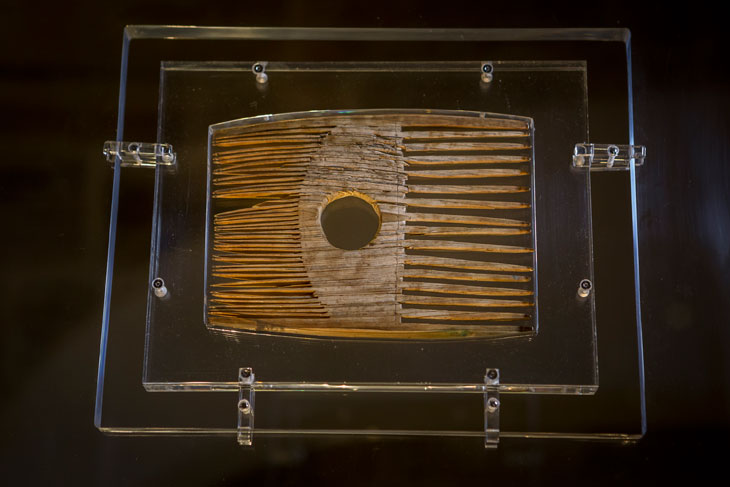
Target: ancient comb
x=406 y=224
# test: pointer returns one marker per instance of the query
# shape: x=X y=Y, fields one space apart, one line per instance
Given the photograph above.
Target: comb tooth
x=432 y=314
x=268 y=128
x=230 y=223
x=485 y=124
x=273 y=140
x=257 y=172
x=256 y=218
x=257 y=260
x=465 y=204
x=244 y=272
x=261 y=282
x=254 y=212
x=239 y=157
x=257 y=180
x=462 y=276
x=247 y=279
x=274 y=257
x=452 y=263
x=464 y=302
x=256 y=195
x=258 y=239
x=258 y=155
x=465 y=174
x=259 y=131
x=270 y=148
x=444 y=160
x=266 y=290
x=454 y=231
x=447 y=135
x=463 y=290
x=286 y=188
x=276 y=314
x=265 y=205
x=235 y=246
x=465 y=219
x=272 y=225
x=260 y=163
x=252 y=302
x=465 y=189
x=463 y=147
x=264 y=234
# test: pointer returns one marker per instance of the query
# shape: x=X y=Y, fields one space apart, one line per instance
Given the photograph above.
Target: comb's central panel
x=372 y=224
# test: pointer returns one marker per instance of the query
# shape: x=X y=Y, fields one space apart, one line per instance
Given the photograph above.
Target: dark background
x=59 y=72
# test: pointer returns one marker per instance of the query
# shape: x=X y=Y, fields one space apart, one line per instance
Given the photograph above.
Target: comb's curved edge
x=417 y=331
x=313 y=114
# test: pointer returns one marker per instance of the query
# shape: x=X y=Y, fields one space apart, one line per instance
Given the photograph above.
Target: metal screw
x=244 y=406
x=584 y=288
x=259 y=70
x=158 y=285
x=612 y=151
x=492 y=404
x=167 y=154
x=492 y=374
x=246 y=373
x=487 y=70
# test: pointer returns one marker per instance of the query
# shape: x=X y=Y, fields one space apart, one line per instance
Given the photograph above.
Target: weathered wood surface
x=429 y=177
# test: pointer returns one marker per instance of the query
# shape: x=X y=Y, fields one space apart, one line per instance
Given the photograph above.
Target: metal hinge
x=139 y=154
x=607 y=157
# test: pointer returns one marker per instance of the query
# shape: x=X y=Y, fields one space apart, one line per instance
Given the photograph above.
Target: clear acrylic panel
x=194 y=96
x=180 y=81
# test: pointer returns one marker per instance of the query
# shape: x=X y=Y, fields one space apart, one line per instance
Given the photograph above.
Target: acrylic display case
x=501 y=167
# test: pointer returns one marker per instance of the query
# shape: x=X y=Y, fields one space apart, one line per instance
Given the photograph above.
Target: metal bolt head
x=158 y=286
x=492 y=404
x=258 y=68
x=244 y=406
x=246 y=372
x=492 y=374
x=584 y=288
x=487 y=68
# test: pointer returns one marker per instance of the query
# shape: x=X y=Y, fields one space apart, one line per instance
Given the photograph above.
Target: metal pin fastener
x=584 y=288
x=158 y=286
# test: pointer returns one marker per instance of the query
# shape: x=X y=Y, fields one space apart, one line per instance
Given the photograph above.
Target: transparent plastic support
x=131 y=411
x=491 y=408
x=246 y=404
x=139 y=154
x=179 y=244
x=608 y=156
